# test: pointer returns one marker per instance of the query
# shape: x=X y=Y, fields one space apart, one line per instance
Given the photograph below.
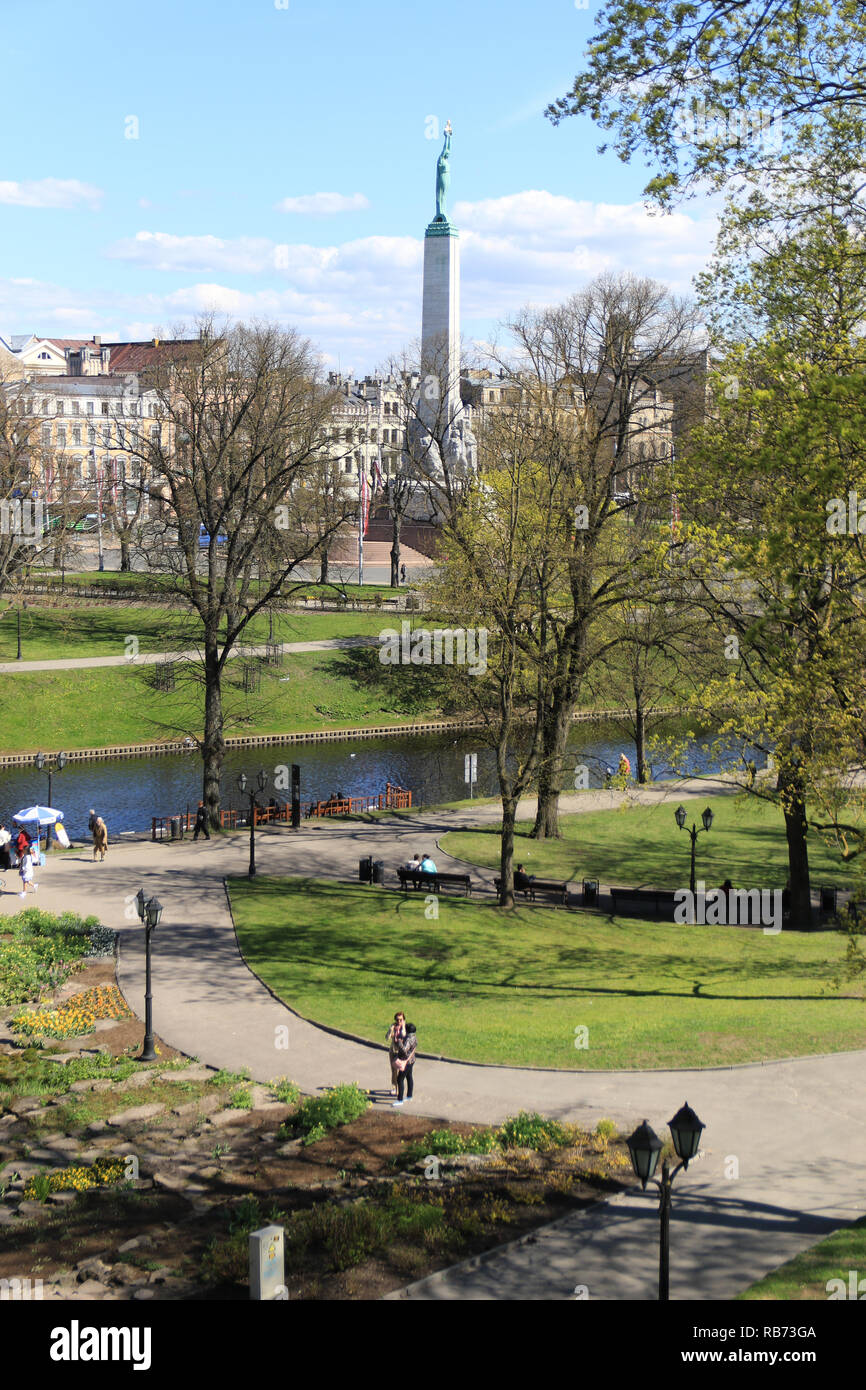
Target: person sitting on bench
x=427 y=865
x=414 y=865
x=522 y=881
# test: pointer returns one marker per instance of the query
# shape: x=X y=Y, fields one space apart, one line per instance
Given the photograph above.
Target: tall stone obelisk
x=440 y=310
x=441 y=438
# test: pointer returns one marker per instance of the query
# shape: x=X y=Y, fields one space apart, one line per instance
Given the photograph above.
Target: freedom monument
x=441 y=443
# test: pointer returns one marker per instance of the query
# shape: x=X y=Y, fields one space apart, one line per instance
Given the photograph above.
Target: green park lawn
x=100 y=707
x=513 y=988
x=806 y=1276
x=641 y=846
x=54 y=633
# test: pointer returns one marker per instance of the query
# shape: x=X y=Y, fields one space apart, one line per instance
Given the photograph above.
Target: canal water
x=127 y=792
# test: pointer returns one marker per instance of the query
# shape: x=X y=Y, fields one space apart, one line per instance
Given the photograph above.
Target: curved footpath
x=782 y=1162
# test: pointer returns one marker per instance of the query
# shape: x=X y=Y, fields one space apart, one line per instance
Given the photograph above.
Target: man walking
x=404 y=1063
x=201 y=822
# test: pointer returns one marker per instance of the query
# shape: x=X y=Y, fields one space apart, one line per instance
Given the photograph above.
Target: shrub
x=606 y=1129
x=241 y=1098
x=338 y=1106
x=445 y=1142
x=286 y=1090
x=528 y=1130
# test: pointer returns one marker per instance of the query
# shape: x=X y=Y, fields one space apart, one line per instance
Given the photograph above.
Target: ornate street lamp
x=707 y=819
x=150 y=912
x=45 y=765
x=261 y=784
x=644 y=1148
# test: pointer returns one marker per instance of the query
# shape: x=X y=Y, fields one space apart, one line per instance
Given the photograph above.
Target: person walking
x=22 y=844
x=405 y=1063
x=5 y=852
x=402 y=574
x=100 y=839
x=396 y=1033
x=201 y=822
x=25 y=869
x=91 y=820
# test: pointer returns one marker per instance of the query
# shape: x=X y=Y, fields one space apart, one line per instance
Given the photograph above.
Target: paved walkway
x=783 y=1158
x=77 y=663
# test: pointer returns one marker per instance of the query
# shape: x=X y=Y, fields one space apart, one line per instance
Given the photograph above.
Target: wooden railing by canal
x=392 y=799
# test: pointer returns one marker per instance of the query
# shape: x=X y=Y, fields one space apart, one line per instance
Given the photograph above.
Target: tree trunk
x=506 y=856
x=395 y=550
x=798 y=857
x=213 y=748
x=556 y=729
x=323 y=566
x=125 y=564
x=640 y=743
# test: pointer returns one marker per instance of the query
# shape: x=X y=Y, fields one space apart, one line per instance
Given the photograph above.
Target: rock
x=25 y=1105
x=102 y=1025
x=159 y=1276
x=188 y=1074
x=92 y=1288
x=128 y=1274
x=291 y=1149
x=61 y=1199
x=227 y=1117
x=138 y=1112
x=136 y=1243
x=275 y=1110
x=172 y=1182
x=31 y=1209
x=96 y=1127
x=138 y=1078
x=94 y=1267
x=91 y=1085
x=206 y=1105
x=144 y=1292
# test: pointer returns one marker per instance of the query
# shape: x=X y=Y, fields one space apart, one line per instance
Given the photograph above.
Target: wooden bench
x=660 y=900
x=541 y=887
x=433 y=883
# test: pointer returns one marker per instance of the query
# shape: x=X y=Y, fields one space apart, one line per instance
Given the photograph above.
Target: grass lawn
x=488 y=987
x=99 y=707
x=640 y=846
x=54 y=633
x=806 y=1276
x=139 y=581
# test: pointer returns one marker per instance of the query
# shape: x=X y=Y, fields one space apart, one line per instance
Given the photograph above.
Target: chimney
x=97 y=339
x=154 y=342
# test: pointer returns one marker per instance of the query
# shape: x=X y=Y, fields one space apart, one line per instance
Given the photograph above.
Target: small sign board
x=267 y=1264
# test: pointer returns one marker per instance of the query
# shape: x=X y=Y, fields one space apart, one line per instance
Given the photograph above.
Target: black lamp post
x=149 y=911
x=45 y=765
x=20 y=606
x=644 y=1147
x=261 y=784
x=707 y=818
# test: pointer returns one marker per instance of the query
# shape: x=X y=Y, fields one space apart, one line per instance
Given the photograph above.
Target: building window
x=60 y=407
x=106 y=436
x=76 y=434
x=91 y=435
x=76 y=408
x=105 y=407
x=90 y=407
x=154 y=434
x=61 y=436
x=46 y=406
x=46 y=436
x=133 y=407
x=78 y=466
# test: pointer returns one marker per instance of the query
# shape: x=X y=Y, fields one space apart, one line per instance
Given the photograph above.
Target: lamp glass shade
x=707 y=818
x=262 y=780
x=242 y=783
x=680 y=814
x=644 y=1148
x=40 y=761
x=154 y=912
x=686 y=1131
x=141 y=903
x=61 y=761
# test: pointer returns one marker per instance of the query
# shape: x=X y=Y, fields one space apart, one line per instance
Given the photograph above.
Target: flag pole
x=360 y=530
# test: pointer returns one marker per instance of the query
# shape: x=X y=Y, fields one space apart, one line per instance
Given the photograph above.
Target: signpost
x=470 y=770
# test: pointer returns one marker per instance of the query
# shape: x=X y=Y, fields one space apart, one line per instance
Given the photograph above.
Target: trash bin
x=365 y=869
x=177 y=827
x=590 y=892
x=379 y=872
x=828 y=899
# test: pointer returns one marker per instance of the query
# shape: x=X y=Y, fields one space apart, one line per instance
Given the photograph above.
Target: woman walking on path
x=405 y=1063
x=396 y=1033
x=25 y=869
x=100 y=839
x=5 y=855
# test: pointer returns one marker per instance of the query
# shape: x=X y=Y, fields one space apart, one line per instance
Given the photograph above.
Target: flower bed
x=42 y=950
x=103 y=1172
x=74 y=1018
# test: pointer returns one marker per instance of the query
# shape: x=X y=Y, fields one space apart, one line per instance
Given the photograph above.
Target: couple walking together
x=402 y=1045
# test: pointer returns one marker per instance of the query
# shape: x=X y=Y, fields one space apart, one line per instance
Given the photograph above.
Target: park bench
x=541 y=887
x=660 y=901
x=433 y=883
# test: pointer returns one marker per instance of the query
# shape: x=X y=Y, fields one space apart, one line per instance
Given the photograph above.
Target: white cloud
x=49 y=193
x=324 y=204
x=361 y=299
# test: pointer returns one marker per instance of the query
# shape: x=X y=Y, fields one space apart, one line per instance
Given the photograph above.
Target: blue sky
x=235 y=108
